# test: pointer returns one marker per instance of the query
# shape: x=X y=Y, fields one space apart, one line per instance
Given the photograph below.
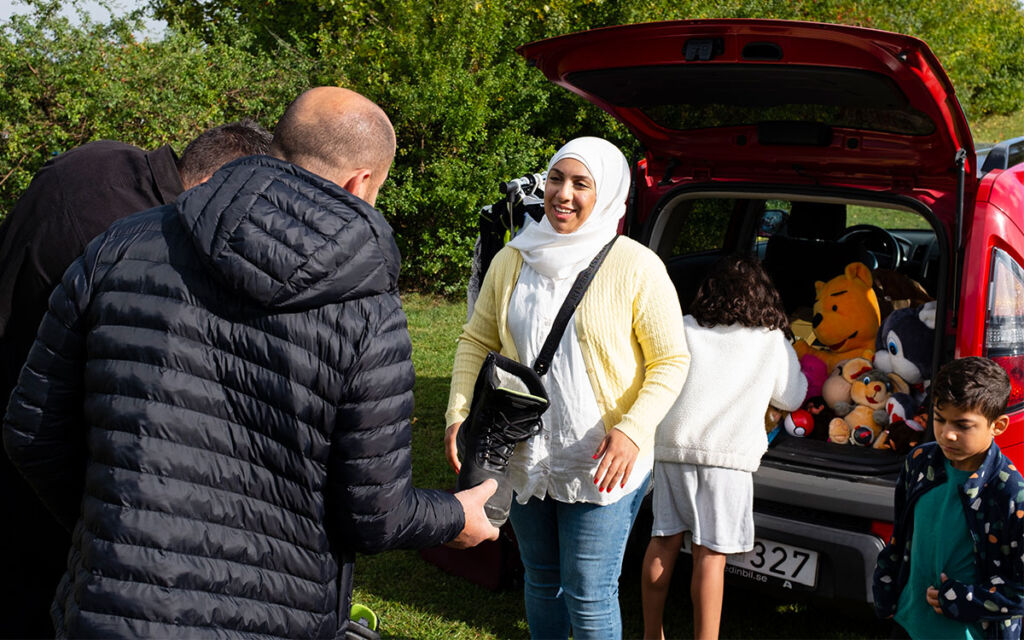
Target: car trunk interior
x=803 y=238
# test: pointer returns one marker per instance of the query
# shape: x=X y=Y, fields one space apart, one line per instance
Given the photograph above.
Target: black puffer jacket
x=218 y=403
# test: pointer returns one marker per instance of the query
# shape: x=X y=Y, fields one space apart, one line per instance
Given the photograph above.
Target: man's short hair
x=215 y=147
x=361 y=138
x=972 y=384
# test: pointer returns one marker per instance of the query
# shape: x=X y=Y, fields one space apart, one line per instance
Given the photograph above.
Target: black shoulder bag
x=508 y=401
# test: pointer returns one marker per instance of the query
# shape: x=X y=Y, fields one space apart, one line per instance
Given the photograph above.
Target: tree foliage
x=468 y=111
x=66 y=84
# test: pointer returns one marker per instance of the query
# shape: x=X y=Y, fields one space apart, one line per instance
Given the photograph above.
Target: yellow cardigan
x=630 y=330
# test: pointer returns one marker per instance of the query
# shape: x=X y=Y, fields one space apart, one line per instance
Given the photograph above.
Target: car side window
x=885 y=218
x=703 y=226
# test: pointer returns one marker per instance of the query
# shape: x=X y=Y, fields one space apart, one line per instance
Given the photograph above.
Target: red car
x=815 y=144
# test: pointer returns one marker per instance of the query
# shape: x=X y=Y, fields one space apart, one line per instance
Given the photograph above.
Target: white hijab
x=560 y=255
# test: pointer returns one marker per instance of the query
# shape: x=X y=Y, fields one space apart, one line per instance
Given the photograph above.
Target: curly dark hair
x=738 y=290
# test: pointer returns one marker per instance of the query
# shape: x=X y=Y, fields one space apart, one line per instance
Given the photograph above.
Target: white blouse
x=559 y=461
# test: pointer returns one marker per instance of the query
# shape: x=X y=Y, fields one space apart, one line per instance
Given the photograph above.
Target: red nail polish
x=595 y=480
x=595 y=456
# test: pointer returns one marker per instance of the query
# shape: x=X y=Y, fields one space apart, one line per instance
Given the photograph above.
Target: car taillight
x=1014 y=366
x=1004 y=321
x=882 y=529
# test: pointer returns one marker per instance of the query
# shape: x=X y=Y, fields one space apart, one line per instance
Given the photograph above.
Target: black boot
x=508 y=401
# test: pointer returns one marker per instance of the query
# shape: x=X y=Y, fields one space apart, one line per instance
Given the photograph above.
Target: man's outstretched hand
x=478 y=528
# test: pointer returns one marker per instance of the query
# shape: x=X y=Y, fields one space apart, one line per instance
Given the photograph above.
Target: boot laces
x=499 y=442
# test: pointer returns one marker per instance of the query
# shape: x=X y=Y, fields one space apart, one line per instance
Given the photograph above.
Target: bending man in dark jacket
x=73 y=198
x=218 y=401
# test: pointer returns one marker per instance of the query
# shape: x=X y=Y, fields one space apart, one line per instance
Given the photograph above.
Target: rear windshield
x=698 y=96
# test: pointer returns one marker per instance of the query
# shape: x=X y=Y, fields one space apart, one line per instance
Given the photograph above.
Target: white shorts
x=715 y=504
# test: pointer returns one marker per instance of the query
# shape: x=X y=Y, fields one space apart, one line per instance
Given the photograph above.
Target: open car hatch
x=772 y=100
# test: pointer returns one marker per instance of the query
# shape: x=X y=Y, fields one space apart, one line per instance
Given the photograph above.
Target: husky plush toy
x=904 y=346
x=905 y=342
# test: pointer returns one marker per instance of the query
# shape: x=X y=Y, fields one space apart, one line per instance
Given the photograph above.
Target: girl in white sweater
x=710 y=443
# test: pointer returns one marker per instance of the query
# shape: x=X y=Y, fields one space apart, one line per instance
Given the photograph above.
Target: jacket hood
x=288 y=238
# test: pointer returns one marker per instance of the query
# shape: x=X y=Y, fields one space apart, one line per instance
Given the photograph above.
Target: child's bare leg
x=706 y=589
x=659 y=561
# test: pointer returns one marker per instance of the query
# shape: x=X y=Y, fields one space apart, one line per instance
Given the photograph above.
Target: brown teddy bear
x=836 y=388
x=836 y=393
x=863 y=420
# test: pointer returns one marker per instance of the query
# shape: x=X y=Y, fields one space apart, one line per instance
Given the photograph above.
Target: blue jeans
x=572 y=554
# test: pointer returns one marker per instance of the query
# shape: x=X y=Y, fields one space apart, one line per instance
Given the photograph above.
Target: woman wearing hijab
x=618 y=368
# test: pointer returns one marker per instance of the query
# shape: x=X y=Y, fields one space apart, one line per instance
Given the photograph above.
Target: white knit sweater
x=735 y=372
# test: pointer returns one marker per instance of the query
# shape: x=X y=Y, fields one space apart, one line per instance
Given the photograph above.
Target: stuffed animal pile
x=867 y=378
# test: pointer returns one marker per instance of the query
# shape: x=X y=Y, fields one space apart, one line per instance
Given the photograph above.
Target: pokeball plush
x=799 y=424
x=863 y=436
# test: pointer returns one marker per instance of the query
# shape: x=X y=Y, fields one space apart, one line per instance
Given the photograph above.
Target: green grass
x=414 y=598
x=995 y=128
x=417 y=600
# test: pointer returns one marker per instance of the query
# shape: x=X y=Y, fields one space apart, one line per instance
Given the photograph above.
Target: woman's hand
x=451 y=449
x=619 y=453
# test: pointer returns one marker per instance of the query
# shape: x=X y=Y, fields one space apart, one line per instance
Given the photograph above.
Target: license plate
x=774 y=559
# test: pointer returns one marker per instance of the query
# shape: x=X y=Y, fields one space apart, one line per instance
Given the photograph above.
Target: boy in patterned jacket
x=955 y=564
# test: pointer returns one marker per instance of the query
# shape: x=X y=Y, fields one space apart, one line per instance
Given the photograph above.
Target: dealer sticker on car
x=773 y=559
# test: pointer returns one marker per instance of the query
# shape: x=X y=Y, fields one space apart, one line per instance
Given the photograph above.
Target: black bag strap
x=579 y=287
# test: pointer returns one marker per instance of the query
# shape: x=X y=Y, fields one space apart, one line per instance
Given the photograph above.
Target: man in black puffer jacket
x=73 y=198
x=218 y=400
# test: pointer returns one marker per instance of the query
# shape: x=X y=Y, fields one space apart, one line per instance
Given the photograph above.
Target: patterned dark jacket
x=993 y=501
x=218 y=404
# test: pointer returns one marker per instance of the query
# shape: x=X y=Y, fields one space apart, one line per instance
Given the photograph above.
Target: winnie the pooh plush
x=846 y=317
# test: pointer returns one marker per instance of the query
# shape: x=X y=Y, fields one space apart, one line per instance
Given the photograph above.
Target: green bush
x=468 y=111
x=65 y=85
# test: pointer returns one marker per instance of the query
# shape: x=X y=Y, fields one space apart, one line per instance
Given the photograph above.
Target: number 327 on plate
x=773 y=559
